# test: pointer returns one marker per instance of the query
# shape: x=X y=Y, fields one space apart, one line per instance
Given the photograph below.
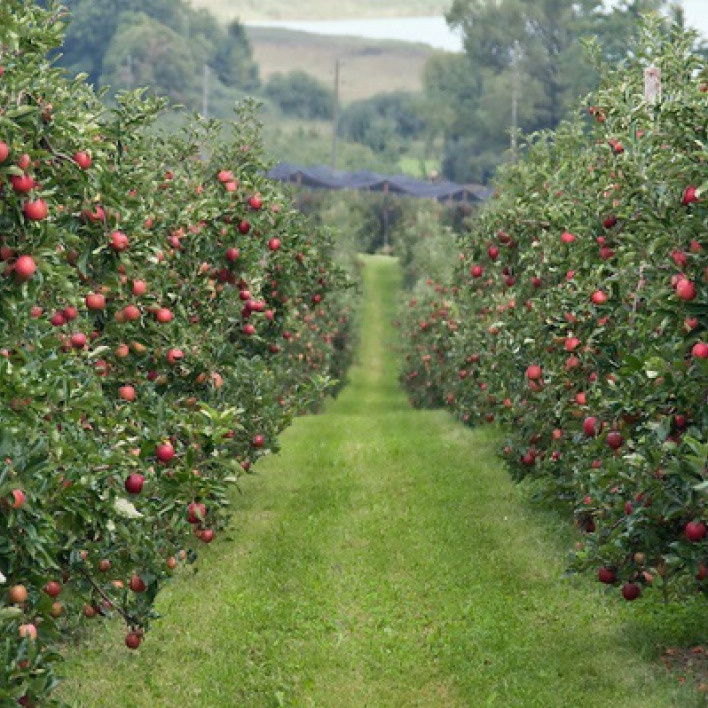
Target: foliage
x=577 y=318
x=384 y=122
x=533 y=50
x=300 y=95
x=164 y=44
x=165 y=314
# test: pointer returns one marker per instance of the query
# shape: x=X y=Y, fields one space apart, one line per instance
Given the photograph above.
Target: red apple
x=614 y=439
x=137 y=584
x=95 y=301
x=695 y=531
x=127 y=393
x=631 y=591
x=685 y=289
x=164 y=452
x=139 y=287
x=605 y=575
x=534 y=372
x=134 y=483
x=4 y=151
x=25 y=268
x=133 y=640
x=53 y=588
x=700 y=350
x=591 y=426
x=82 y=159
x=689 y=196
x=196 y=512
x=119 y=241
x=163 y=315
x=36 y=210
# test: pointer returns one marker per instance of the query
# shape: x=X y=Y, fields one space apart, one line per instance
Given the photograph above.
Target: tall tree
x=532 y=51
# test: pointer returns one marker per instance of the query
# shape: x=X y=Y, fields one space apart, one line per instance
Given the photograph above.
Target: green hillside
x=261 y=10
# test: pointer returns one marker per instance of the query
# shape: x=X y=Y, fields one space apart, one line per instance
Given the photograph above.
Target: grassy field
x=367 y=67
x=384 y=559
x=262 y=10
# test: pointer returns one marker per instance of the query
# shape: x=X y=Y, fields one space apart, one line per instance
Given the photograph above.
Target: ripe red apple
x=53 y=588
x=134 y=483
x=614 y=439
x=274 y=244
x=131 y=313
x=95 y=301
x=700 y=350
x=534 y=372
x=567 y=237
x=689 y=195
x=232 y=254
x=631 y=591
x=258 y=441
x=164 y=452
x=599 y=297
x=476 y=271
x=255 y=202
x=17 y=595
x=249 y=330
x=174 y=356
x=493 y=253
x=25 y=268
x=196 y=512
x=22 y=184
x=28 y=631
x=591 y=426
x=119 y=241
x=133 y=640
x=82 y=159
x=36 y=210
x=225 y=176
x=207 y=535
x=78 y=340
x=695 y=531
x=139 y=288
x=605 y=575
x=244 y=226
x=163 y=315
x=137 y=584
x=685 y=289
x=127 y=393
x=70 y=313
x=4 y=151
x=18 y=498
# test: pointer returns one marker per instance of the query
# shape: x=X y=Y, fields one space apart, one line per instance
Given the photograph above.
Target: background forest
x=524 y=64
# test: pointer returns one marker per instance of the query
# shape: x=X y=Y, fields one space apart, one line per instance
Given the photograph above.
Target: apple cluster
x=166 y=311
x=577 y=321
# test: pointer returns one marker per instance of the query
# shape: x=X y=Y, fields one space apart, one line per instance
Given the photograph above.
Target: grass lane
x=384 y=560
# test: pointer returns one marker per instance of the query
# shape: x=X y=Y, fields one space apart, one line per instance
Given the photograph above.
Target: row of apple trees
x=577 y=319
x=164 y=313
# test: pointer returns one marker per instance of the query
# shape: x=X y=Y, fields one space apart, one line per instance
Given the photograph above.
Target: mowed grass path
x=382 y=560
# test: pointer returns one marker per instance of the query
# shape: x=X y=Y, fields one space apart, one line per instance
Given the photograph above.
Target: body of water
x=428 y=30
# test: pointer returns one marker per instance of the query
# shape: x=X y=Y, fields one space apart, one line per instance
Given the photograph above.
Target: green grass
x=255 y=10
x=385 y=560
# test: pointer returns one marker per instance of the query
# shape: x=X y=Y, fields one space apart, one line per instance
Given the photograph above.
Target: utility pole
x=129 y=71
x=335 y=116
x=205 y=92
x=515 y=89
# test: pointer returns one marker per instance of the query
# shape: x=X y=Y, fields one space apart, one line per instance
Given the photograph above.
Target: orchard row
x=577 y=319
x=164 y=313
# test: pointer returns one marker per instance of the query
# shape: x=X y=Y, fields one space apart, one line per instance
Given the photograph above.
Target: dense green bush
x=300 y=95
x=166 y=311
x=577 y=319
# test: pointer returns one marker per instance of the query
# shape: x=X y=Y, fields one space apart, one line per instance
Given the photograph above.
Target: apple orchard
x=577 y=320
x=165 y=313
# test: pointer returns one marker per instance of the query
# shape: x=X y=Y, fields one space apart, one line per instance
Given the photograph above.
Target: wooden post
x=335 y=116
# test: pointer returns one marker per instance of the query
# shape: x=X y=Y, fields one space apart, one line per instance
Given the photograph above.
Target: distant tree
x=233 y=60
x=144 y=52
x=536 y=47
x=300 y=95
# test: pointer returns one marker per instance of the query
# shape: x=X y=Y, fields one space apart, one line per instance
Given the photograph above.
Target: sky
x=697 y=15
